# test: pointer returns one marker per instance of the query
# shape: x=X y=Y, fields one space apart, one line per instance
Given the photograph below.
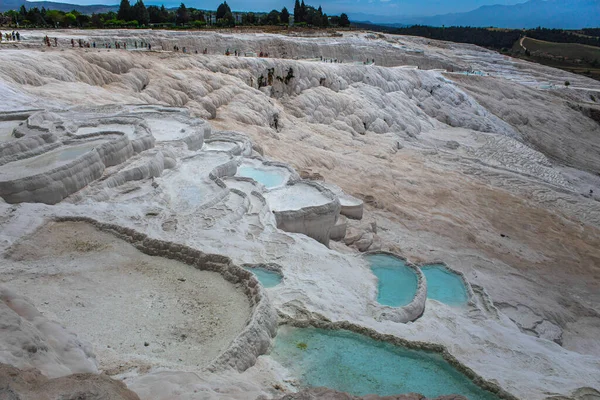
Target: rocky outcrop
x=16 y=384
x=363 y=237
x=338 y=232
x=314 y=221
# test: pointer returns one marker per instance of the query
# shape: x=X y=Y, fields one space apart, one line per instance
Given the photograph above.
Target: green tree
x=55 y=17
x=166 y=15
x=124 y=11
x=82 y=20
x=159 y=15
x=222 y=10
x=139 y=12
x=196 y=15
x=35 y=16
x=303 y=11
x=344 y=21
x=284 y=16
x=70 y=19
x=97 y=21
x=182 y=16
x=297 y=12
x=318 y=20
x=228 y=19
x=249 y=18
x=273 y=17
x=154 y=14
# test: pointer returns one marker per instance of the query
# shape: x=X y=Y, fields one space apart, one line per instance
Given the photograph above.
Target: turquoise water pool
x=269 y=179
x=267 y=278
x=445 y=286
x=357 y=364
x=397 y=283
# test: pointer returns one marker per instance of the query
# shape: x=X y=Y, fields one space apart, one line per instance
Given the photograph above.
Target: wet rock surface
x=330 y=394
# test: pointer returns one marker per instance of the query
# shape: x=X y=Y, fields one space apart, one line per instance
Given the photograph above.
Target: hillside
x=6 y=5
x=564 y=14
x=572 y=57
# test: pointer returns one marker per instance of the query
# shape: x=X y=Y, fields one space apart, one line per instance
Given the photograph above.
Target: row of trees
x=43 y=17
x=138 y=14
x=305 y=14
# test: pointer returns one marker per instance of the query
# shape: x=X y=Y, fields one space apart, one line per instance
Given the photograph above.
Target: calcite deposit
x=124 y=204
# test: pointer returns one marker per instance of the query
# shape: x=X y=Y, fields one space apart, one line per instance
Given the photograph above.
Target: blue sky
x=373 y=7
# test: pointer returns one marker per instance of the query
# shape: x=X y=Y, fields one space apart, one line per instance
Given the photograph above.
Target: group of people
x=47 y=41
x=85 y=44
x=123 y=45
x=331 y=60
x=14 y=36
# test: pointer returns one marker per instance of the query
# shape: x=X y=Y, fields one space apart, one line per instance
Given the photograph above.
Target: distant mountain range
x=565 y=14
x=6 y=5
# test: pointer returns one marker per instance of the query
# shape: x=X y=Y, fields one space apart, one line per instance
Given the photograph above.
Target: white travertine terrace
x=351 y=206
x=261 y=166
x=409 y=312
x=495 y=174
x=305 y=207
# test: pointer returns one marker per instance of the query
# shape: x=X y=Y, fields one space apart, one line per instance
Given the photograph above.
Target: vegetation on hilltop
x=574 y=57
x=491 y=37
x=138 y=15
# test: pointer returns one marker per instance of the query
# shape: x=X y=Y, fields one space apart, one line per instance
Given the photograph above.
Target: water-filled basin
x=219 y=145
x=267 y=278
x=89 y=130
x=357 y=364
x=49 y=160
x=397 y=283
x=165 y=129
x=270 y=178
x=445 y=286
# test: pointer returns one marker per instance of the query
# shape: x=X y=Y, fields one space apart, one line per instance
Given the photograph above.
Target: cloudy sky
x=373 y=7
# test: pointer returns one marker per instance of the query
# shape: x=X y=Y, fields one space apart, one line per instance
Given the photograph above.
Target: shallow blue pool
x=445 y=286
x=265 y=277
x=269 y=179
x=357 y=364
x=397 y=283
